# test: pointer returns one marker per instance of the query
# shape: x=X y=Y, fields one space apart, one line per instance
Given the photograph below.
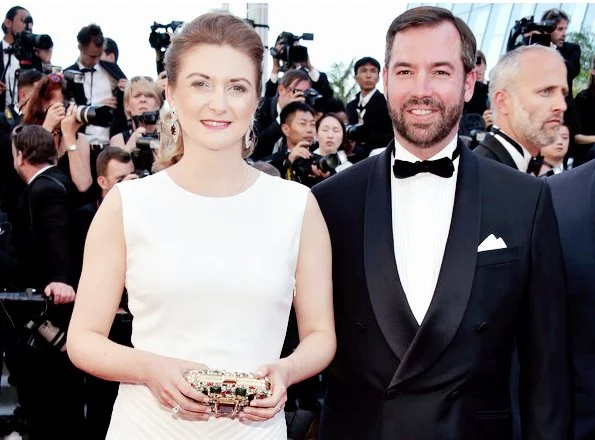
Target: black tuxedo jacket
x=267 y=129
x=43 y=230
x=447 y=379
x=377 y=130
x=491 y=148
x=120 y=121
x=573 y=193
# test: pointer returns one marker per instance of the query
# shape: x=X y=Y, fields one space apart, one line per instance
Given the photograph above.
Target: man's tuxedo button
x=454 y=395
x=482 y=327
x=391 y=393
x=360 y=327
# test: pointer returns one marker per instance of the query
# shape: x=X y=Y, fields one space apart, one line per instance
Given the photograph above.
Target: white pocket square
x=491 y=243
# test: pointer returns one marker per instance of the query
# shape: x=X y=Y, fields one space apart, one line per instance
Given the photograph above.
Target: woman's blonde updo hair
x=221 y=28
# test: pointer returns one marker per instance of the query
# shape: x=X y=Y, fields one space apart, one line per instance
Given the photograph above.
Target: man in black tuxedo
x=50 y=388
x=573 y=193
x=445 y=261
x=370 y=125
x=526 y=113
x=267 y=125
x=104 y=85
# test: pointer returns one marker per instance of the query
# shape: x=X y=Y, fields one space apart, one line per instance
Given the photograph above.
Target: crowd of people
x=412 y=264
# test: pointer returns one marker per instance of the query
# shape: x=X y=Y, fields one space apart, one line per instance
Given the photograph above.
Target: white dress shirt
x=421 y=213
x=12 y=91
x=98 y=87
x=521 y=161
x=363 y=102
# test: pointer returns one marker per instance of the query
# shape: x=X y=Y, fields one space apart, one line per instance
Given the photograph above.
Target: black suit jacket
x=267 y=129
x=491 y=148
x=448 y=378
x=120 y=121
x=377 y=130
x=571 y=53
x=573 y=193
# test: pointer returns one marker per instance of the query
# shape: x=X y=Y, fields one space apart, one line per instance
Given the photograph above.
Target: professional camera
x=99 y=115
x=312 y=96
x=147 y=118
x=353 y=131
x=142 y=156
x=160 y=40
x=24 y=46
x=292 y=52
x=539 y=33
x=301 y=169
x=44 y=336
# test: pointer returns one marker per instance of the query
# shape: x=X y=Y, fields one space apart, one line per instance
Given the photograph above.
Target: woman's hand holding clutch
x=166 y=381
x=264 y=409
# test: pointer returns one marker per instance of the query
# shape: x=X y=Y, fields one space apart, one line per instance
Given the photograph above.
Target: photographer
x=49 y=387
x=101 y=86
x=370 y=125
x=267 y=125
x=47 y=108
x=295 y=59
x=299 y=127
x=142 y=102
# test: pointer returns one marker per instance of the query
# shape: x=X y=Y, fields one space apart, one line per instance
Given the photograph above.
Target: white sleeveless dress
x=209 y=280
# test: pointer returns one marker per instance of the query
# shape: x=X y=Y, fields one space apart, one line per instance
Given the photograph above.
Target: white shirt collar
x=402 y=154
x=363 y=101
x=41 y=170
x=521 y=161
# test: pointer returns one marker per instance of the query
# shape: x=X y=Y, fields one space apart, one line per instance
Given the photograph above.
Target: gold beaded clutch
x=228 y=393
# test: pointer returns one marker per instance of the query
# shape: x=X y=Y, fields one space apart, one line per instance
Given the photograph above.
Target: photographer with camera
x=289 y=54
x=142 y=102
x=20 y=50
x=49 y=387
x=267 y=125
x=294 y=160
x=100 y=86
x=527 y=108
x=47 y=107
x=369 y=123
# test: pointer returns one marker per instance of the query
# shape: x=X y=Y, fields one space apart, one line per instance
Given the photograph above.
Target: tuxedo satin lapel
x=393 y=314
x=456 y=275
x=492 y=144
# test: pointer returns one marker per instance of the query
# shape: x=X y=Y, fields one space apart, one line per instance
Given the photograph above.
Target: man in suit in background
x=526 y=113
x=449 y=260
x=104 y=85
x=573 y=193
x=370 y=125
x=49 y=387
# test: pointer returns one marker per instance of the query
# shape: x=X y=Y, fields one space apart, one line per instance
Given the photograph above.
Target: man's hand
x=54 y=116
x=70 y=125
x=45 y=55
x=488 y=117
x=2 y=87
x=291 y=96
x=62 y=293
x=317 y=172
x=300 y=150
x=122 y=84
x=112 y=102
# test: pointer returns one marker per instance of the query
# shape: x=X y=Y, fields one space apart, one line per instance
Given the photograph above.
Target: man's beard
x=426 y=135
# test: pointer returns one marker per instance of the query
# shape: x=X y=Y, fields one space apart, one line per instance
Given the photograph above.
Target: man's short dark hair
x=293 y=107
x=28 y=77
x=110 y=46
x=107 y=155
x=480 y=56
x=292 y=76
x=363 y=61
x=555 y=15
x=12 y=12
x=430 y=16
x=35 y=143
x=333 y=105
x=90 y=34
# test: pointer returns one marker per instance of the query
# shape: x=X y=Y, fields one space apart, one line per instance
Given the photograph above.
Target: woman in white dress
x=212 y=253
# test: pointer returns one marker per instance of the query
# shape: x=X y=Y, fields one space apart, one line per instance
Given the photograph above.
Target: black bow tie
x=443 y=167
x=535 y=165
x=88 y=69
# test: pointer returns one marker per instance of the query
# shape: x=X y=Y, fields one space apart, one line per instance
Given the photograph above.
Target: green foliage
x=341 y=79
x=586 y=40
